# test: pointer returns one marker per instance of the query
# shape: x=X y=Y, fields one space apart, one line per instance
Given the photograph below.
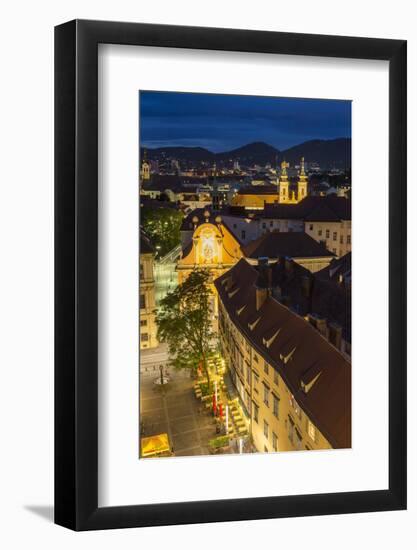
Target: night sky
x=224 y=122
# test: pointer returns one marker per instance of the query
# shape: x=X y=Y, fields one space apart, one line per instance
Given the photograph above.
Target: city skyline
x=221 y=123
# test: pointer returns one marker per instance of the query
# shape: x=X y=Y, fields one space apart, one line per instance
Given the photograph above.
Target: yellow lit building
x=293 y=384
x=255 y=197
x=212 y=246
x=145 y=171
x=147 y=330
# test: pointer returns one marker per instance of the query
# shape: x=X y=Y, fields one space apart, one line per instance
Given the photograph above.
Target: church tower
x=145 y=171
x=284 y=183
x=302 y=183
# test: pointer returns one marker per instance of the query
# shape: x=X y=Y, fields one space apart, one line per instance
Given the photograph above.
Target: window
x=274 y=441
x=266 y=369
x=248 y=373
x=335 y=236
x=298 y=439
x=348 y=239
x=311 y=429
x=275 y=406
x=327 y=233
x=255 y=358
x=256 y=413
x=263 y=225
x=243 y=234
x=271 y=223
x=334 y=251
x=255 y=382
x=341 y=239
x=144 y=337
x=311 y=227
x=320 y=232
x=144 y=323
x=142 y=301
x=234 y=226
x=266 y=429
x=295 y=406
x=266 y=395
x=141 y=271
x=290 y=425
x=276 y=377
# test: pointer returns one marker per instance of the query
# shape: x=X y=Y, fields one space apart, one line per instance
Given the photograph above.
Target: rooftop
x=328 y=401
x=292 y=244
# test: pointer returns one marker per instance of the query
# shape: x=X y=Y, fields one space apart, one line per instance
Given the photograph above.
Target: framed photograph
x=230 y=338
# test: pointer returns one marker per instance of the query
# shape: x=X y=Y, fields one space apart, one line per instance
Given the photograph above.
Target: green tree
x=184 y=322
x=163 y=227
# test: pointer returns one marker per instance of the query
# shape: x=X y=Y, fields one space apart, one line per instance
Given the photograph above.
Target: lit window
x=311 y=430
x=298 y=439
x=266 y=395
x=255 y=412
x=276 y=406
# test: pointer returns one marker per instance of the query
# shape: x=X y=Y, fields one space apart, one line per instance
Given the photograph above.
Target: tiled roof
x=292 y=244
x=329 y=299
x=328 y=401
x=330 y=208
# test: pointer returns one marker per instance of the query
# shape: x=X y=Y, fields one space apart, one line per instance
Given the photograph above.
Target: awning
x=154 y=444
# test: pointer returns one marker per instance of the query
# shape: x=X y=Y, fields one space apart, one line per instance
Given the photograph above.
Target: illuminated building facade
x=212 y=246
x=145 y=170
x=294 y=384
x=255 y=197
x=147 y=328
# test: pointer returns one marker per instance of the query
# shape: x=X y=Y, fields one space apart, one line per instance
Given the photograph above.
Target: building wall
x=335 y=235
x=254 y=201
x=147 y=330
x=277 y=422
x=270 y=224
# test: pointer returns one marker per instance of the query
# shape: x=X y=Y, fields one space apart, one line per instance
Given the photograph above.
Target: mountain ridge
x=333 y=152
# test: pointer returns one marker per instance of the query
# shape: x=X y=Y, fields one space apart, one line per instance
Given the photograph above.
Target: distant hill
x=253 y=153
x=332 y=153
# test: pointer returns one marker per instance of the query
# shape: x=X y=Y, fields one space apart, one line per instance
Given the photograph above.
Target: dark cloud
x=222 y=122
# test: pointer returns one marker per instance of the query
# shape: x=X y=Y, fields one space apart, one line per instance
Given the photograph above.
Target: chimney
x=262 y=283
x=289 y=265
x=321 y=326
x=335 y=335
x=307 y=284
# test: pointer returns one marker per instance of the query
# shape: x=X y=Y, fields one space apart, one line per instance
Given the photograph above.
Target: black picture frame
x=76 y=272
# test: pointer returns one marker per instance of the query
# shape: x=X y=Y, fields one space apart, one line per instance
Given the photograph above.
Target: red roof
x=328 y=402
